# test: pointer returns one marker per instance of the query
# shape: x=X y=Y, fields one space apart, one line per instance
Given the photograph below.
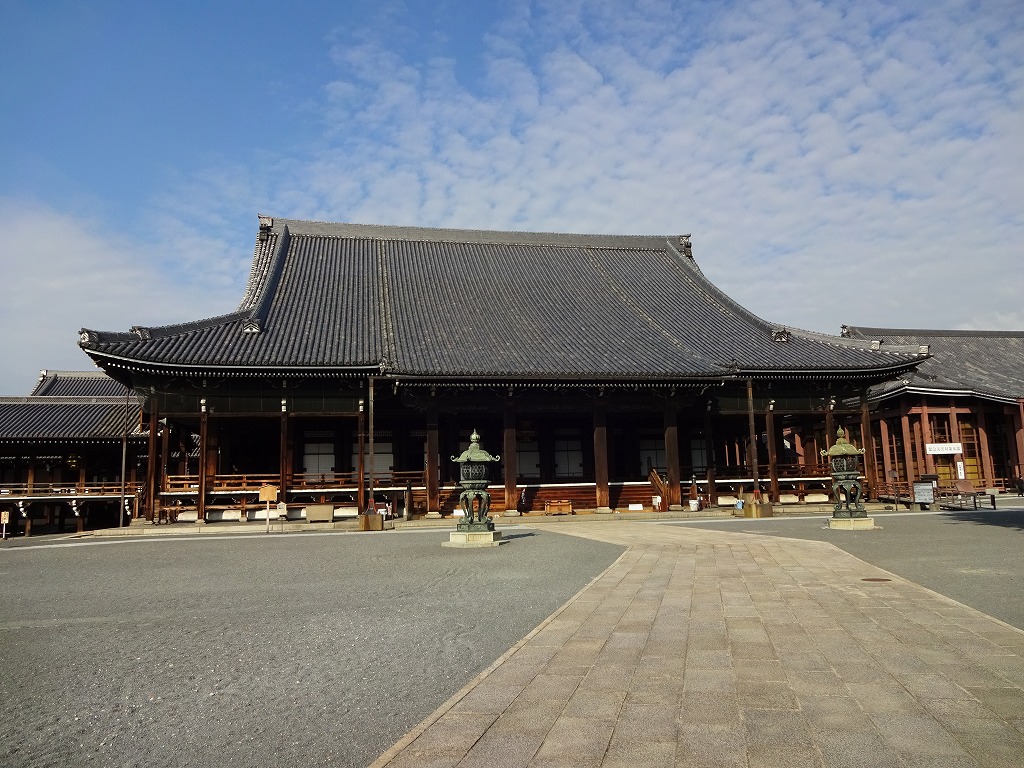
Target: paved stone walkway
x=701 y=648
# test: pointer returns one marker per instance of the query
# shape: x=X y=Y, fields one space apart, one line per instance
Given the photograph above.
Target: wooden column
x=988 y=470
x=161 y=473
x=908 y=442
x=602 y=500
x=675 y=493
x=954 y=437
x=752 y=438
x=285 y=466
x=433 y=467
x=151 y=461
x=372 y=450
x=887 y=458
x=204 y=447
x=709 y=446
x=868 y=440
x=773 y=464
x=509 y=446
x=926 y=437
x=361 y=460
x=1019 y=438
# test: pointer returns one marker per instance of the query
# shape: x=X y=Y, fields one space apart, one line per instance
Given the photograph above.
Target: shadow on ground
x=1010 y=518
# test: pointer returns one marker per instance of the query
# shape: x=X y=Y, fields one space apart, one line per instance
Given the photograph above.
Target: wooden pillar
x=752 y=438
x=151 y=463
x=1019 y=438
x=773 y=462
x=798 y=448
x=509 y=446
x=204 y=447
x=675 y=493
x=161 y=473
x=868 y=444
x=709 y=446
x=285 y=465
x=954 y=437
x=908 y=442
x=433 y=467
x=926 y=437
x=371 y=451
x=361 y=457
x=602 y=500
x=988 y=470
x=887 y=458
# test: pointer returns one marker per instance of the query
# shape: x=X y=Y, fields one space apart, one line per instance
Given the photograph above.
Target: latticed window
x=528 y=459
x=945 y=464
x=652 y=455
x=698 y=455
x=972 y=450
x=568 y=454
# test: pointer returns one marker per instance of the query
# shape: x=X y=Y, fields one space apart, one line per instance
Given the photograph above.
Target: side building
x=607 y=372
x=65 y=448
x=959 y=415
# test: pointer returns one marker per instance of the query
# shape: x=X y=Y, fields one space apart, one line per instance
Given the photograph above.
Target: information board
x=924 y=493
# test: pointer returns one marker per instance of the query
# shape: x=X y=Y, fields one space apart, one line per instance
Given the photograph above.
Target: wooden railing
x=299 y=481
x=65 y=489
x=785 y=471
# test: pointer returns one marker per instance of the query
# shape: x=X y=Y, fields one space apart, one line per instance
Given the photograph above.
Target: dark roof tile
x=985 y=363
x=444 y=303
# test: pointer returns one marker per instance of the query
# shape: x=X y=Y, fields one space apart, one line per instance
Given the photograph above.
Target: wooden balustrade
x=65 y=489
x=299 y=481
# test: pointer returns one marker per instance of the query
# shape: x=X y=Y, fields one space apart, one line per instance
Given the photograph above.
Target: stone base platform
x=469 y=539
x=852 y=523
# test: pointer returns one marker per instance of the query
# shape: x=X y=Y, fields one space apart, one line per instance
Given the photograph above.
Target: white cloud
x=69 y=273
x=854 y=162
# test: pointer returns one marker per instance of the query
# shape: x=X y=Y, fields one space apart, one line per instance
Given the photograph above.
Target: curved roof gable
x=447 y=303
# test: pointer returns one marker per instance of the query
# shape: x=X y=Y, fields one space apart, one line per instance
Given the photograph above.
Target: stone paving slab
x=701 y=648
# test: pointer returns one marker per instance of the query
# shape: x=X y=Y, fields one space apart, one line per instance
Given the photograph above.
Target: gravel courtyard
x=251 y=650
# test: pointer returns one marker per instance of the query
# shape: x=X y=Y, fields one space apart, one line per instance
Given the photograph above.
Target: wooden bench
x=965 y=496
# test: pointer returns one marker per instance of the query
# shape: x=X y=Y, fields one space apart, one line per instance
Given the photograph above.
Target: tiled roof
x=436 y=303
x=66 y=418
x=988 y=364
x=70 y=406
x=77 y=384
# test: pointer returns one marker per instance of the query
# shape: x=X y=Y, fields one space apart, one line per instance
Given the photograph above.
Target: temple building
x=959 y=415
x=65 y=449
x=606 y=371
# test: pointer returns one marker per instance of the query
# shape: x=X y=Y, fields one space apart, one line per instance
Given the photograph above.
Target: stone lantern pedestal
x=476 y=529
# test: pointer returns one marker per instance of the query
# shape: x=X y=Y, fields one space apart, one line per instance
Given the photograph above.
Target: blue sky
x=855 y=162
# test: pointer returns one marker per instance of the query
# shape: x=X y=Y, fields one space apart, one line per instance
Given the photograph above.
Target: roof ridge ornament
x=684 y=243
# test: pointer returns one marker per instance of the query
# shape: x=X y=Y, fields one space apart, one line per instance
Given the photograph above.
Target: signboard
x=960 y=471
x=5 y=516
x=268 y=493
x=936 y=449
x=924 y=493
